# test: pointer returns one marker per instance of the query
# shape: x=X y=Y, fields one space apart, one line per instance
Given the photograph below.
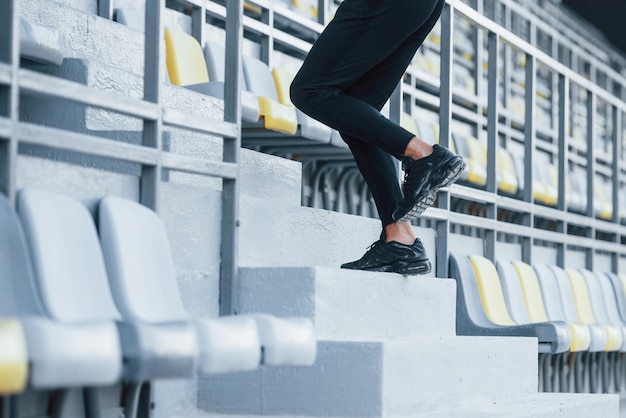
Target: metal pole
x=9 y=97
x=493 y=111
x=563 y=124
x=591 y=168
x=445 y=120
x=529 y=147
x=152 y=134
x=230 y=188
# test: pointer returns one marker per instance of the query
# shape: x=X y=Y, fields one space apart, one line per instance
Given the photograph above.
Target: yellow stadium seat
x=13 y=357
x=305 y=8
x=532 y=292
x=602 y=202
x=259 y=79
x=408 y=123
x=585 y=311
x=184 y=58
x=506 y=172
x=477 y=161
x=490 y=290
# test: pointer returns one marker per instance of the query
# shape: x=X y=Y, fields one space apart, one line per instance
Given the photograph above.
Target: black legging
x=350 y=73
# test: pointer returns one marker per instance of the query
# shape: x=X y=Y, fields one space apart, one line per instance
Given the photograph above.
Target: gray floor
x=622 y=406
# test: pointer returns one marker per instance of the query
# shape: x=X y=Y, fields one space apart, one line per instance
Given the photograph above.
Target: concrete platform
x=380 y=379
x=353 y=305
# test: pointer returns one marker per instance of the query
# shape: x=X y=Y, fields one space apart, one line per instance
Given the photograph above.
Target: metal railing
x=150 y=155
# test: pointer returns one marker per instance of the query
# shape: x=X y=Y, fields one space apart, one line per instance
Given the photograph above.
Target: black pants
x=351 y=72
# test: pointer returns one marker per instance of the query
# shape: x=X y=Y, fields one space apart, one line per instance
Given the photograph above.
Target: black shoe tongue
x=406 y=163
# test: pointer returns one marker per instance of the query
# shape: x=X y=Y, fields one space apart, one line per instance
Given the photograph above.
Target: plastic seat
x=579 y=184
x=309 y=127
x=144 y=287
x=506 y=172
x=603 y=207
x=187 y=67
x=544 y=190
x=63 y=301
x=537 y=306
x=475 y=153
x=13 y=357
x=215 y=57
x=618 y=283
x=259 y=80
x=408 y=123
x=604 y=305
x=481 y=309
x=522 y=292
x=546 y=279
x=585 y=311
x=41 y=43
x=129 y=17
x=599 y=337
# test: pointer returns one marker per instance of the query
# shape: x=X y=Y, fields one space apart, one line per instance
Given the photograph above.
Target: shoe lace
x=372 y=248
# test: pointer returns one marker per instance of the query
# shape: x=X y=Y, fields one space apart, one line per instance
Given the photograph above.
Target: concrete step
x=352 y=305
x=381 y=379
x=543 y=405
x=95 y=74
x=91 y=37
x=275 y=235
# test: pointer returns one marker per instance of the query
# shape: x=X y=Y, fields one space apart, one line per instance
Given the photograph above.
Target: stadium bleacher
x=149 y=265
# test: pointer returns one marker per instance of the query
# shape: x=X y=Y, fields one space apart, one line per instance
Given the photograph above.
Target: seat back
x=551 y=293
x=567 y=294
x=138 y=259
x=512 y=290
x=490 y=290
x=215 y=57
x=66 y=257
x=506 y=170
x=258 y=78
x=408 y=123
x=41 y=43
x=184 y=59
x=610 y=298
x=468 y=295
x=532 y=292
x=131 y=18
x=18 y=294
x=581 y=296
x=283 y=80
x=620 y=292
x=598 y=301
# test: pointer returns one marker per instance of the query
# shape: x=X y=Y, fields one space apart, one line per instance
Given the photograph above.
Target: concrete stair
x=387 y=343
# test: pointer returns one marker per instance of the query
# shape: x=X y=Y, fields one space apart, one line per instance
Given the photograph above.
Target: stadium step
x=382 y=378
x=95 y=74
x=352 y=305
x=276 y=235
x=91 y=37
x=542 y=405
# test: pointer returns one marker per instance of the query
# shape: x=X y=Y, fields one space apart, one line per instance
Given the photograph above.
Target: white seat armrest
x=286 y=341
x=228 y=344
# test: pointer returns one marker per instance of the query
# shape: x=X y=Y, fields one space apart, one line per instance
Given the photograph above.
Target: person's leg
x=374 y=88
x=368 y=40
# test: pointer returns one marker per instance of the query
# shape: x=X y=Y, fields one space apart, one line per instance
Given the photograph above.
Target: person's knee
x=298 y=92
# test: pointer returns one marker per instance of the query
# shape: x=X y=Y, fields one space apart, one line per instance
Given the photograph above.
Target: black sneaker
x=393 y=257
x=423 y=178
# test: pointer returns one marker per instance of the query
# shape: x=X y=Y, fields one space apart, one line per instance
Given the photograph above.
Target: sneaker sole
x=402 y=267
x=426 y=200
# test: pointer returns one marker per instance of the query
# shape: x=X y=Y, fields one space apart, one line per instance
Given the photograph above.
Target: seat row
x=95 y=305
x=578 y=317
x=510 y=171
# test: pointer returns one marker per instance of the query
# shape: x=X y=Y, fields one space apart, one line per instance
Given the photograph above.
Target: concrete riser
x=352 y=305
x=376 y=379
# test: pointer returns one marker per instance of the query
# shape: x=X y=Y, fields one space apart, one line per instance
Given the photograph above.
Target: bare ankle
x=400 y=232
x=417 y=149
